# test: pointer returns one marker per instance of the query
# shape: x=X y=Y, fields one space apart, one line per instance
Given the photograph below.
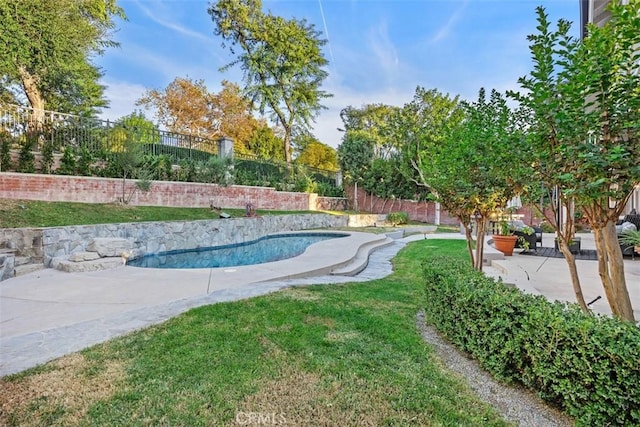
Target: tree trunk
x=467 y=233
x=573 y=272
x=30 y=86
x=564 y=233
x=611 y=270
x=355 y=194
x=481 y=231
x=287 y=145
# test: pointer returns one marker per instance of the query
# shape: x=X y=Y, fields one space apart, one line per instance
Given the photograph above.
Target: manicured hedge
x=587 y=365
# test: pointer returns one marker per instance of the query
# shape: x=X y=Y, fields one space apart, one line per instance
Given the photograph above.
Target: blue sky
x=379 y=51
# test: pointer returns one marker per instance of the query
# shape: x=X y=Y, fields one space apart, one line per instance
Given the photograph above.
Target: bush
x=398 y=218
x=5 y=152
x=587 y=365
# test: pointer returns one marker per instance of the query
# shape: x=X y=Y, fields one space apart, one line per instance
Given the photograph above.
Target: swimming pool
x=266 y=249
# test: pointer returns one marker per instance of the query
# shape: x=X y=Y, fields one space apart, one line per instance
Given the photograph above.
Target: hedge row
x=587 y=365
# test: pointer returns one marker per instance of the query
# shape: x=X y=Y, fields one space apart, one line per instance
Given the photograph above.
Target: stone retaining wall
x=152 y=237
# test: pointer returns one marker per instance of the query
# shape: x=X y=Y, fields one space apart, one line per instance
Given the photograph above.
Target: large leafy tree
x=234 y=113
x=186 y=106
x=373 y=119
x=265 y=144
x=584 y=98
x=318 y=155
x=355 y=157
x=281 y=59
x=46 y=48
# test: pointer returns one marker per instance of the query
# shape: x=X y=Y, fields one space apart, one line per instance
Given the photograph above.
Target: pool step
x=359 y=262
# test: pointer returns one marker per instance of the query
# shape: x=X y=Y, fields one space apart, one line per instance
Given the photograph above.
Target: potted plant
x=631 y=238
x=505 y=240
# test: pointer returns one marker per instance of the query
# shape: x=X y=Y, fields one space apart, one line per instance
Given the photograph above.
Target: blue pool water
x=266 y=249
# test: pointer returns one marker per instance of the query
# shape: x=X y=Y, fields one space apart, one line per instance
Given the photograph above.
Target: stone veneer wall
x=152 y=237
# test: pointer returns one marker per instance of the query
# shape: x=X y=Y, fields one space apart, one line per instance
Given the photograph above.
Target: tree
x=233 y=111
x=46 y=47
x=374 y=119
x=281 y=59
x=141 y=129
x=355 y=156
x=318 y=155
x=184 y=106
x=462 y=153
x=585 y=129
x=265 y=144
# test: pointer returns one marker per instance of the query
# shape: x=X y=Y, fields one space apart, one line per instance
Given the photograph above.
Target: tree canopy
x=584 y=102
x=186 y=106
x=46 y=48
x=282 y=61
x=318 y=155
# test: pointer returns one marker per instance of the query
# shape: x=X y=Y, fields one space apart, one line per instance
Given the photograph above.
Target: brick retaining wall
x=58 y=188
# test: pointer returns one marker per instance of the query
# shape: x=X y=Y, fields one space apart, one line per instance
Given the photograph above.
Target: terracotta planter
x=505 y=244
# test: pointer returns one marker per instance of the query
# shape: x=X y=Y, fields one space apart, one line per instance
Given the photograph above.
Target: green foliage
x=282 y=61
x=356 y=155
x=318 y=155
x=187 y=170
x=375 y=121
x=139 y=128
x=46 y=47
x=46 y=161
x=336 y=350
x=398 y=218
x=68 y=162
x=630 y=237
x=6 y=143
x=305 y=184
x=329 y=190
x=584 y=128
x=265 y=144
x=26 y=159
x=585 y=364
x=218 y=171
x=160 y=166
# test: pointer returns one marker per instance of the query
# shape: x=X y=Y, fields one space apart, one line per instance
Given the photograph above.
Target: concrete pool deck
x=48 y=313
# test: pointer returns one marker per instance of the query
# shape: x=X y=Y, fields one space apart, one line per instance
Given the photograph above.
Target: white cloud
x=328 y=122
x=175 y=27
x=444 y=31
x=382 y=47
x=122 y=97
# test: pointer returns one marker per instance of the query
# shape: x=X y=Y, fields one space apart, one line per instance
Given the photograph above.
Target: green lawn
x=325 y=355
x=27 y=213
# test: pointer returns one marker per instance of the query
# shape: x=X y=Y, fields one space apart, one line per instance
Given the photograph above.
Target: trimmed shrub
x=587 y=365
x=397 y=218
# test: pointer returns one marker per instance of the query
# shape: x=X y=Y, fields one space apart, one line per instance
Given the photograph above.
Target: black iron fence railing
x=38 y=128
x=41 y=131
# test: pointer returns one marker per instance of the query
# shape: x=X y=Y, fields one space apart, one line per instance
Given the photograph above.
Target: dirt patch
x=334 y=336
x=61 y=395
x=301 y=398
x=317 y=320
x=299 y=294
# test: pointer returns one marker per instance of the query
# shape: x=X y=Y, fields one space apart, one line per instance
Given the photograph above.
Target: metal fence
x=42 y=130
x=24 y=125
